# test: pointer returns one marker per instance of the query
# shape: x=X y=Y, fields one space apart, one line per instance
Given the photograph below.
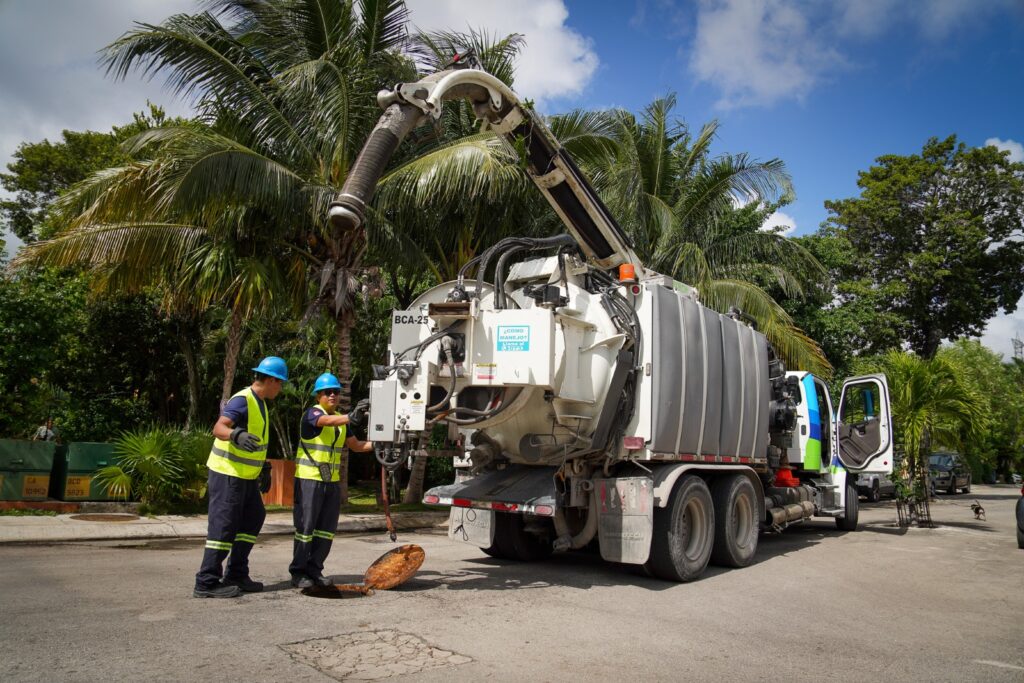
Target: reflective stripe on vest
x=324 y=448
x=227 y=458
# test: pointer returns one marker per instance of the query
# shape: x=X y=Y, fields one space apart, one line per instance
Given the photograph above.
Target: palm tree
x=675 y=201
x=238 y=199
x=932 y=404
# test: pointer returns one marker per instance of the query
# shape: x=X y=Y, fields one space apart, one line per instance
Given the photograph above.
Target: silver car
x=874 y=486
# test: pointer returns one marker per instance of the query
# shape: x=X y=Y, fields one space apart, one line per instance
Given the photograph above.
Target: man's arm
x=336 y=420
x=222 y=430
x=357 y=446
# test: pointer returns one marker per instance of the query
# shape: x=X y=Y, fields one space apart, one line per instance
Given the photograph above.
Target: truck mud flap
x=524 y=490
x=625 y=518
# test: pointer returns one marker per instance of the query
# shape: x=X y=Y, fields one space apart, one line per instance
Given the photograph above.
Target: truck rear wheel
x=848 y=522
x=513 y=542
x=501 y=546
x=684 y=532
x=737 y=521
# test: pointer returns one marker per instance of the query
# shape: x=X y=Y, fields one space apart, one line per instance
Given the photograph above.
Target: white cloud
x=51 y=79
x=1000 y=331
x=1015 y=148
x=757 y=52
x=556 y=62
x=780 y=219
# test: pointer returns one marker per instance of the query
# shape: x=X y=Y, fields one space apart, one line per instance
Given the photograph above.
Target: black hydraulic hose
x=528 y=244
x=485 y=260
x=349 y=207
x=464 y=270
x=499 y=280
x=448 y=396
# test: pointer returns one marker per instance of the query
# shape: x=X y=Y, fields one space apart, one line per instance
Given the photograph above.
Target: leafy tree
x=844 y=311
x=95 y=366
x=43 y=171
x=1000 y=390
x=935 y=239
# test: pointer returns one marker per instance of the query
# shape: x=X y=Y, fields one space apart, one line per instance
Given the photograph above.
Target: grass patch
x=363 y=501
x=27 y=513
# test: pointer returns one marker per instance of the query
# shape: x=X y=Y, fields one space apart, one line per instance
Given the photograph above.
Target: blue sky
x=825 y=86
x=829 y=102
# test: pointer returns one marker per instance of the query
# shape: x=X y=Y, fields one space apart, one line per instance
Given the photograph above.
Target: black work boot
x=322 y=581
x=246 y=584
x=301 y=581
x=218 y=591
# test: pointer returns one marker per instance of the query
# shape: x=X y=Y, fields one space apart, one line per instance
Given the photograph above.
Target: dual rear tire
x=703 y=523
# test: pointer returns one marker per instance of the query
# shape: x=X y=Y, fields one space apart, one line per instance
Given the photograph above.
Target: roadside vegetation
x=164 y=256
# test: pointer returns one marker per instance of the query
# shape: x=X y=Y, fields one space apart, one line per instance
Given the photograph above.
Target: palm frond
x=792 y=344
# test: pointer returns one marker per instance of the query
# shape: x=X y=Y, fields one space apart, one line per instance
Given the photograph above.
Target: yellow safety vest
x=324 y=448
x=227 y=458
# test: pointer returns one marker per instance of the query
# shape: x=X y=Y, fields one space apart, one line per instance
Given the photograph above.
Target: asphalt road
x=938 y=605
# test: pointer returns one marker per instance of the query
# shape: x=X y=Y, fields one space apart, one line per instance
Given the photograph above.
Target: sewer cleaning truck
x=594 y=400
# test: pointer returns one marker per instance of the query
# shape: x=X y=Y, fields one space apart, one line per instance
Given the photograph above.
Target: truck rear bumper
x=519 y=489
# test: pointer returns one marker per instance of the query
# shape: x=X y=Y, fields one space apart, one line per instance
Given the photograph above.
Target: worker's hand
x=358 y=415
x=265 y=478
x=245 y=440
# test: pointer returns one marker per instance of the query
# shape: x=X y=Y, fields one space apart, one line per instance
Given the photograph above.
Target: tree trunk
x=192 y=369
x=414 y=492
x=343 y=336
x=234 y=344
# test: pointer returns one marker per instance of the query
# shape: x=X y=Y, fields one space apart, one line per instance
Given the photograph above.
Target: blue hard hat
x=325 y=381
x=273 y=366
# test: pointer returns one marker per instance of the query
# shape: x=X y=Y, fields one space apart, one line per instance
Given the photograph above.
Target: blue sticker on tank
x=513 y=337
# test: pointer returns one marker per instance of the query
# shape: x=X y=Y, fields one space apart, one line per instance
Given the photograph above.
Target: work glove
x=265 y=478
x=358 y=415
x=245 y=440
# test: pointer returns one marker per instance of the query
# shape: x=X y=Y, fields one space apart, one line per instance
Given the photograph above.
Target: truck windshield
x=941 y=460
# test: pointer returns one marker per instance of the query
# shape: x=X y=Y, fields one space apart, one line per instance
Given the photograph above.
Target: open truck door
x=864 y=425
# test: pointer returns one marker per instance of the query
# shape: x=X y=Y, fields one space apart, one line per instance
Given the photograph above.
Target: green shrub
x=162 y=468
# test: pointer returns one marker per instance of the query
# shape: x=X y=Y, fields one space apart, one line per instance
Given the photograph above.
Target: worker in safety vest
x=322 y=435
x=237 y=474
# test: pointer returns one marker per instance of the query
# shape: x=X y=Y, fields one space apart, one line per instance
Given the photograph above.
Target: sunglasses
x=332 y=392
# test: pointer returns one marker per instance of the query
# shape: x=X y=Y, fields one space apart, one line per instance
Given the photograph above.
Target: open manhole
x=372 y=655
x=388 y=571
x=105 y=517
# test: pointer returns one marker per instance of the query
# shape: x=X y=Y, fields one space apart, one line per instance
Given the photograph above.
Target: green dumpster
x=74 y=472
x=25 y=468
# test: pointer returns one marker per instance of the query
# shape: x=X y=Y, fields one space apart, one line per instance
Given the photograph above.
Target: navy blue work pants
x=317 y=505
x=236 y=516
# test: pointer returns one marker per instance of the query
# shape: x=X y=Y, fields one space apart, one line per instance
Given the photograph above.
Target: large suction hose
x=349 y=208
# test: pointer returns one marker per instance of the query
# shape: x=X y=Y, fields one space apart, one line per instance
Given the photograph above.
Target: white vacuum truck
x=595 y=399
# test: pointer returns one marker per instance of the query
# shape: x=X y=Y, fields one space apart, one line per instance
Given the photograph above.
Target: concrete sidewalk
x=63 y=528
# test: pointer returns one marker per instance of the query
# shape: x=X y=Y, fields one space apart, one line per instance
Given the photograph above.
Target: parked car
x=874 y=486
x=949 y=473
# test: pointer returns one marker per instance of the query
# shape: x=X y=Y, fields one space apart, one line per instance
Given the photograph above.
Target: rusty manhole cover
x=105 y=517
x=372 y=655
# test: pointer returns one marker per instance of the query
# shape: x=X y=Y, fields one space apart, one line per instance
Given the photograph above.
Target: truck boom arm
x=550 y=167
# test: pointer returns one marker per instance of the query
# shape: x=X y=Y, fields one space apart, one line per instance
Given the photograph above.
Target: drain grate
x=105 y=517
x=372 y=655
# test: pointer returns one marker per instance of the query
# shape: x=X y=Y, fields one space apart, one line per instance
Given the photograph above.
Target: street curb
x=63 y=529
